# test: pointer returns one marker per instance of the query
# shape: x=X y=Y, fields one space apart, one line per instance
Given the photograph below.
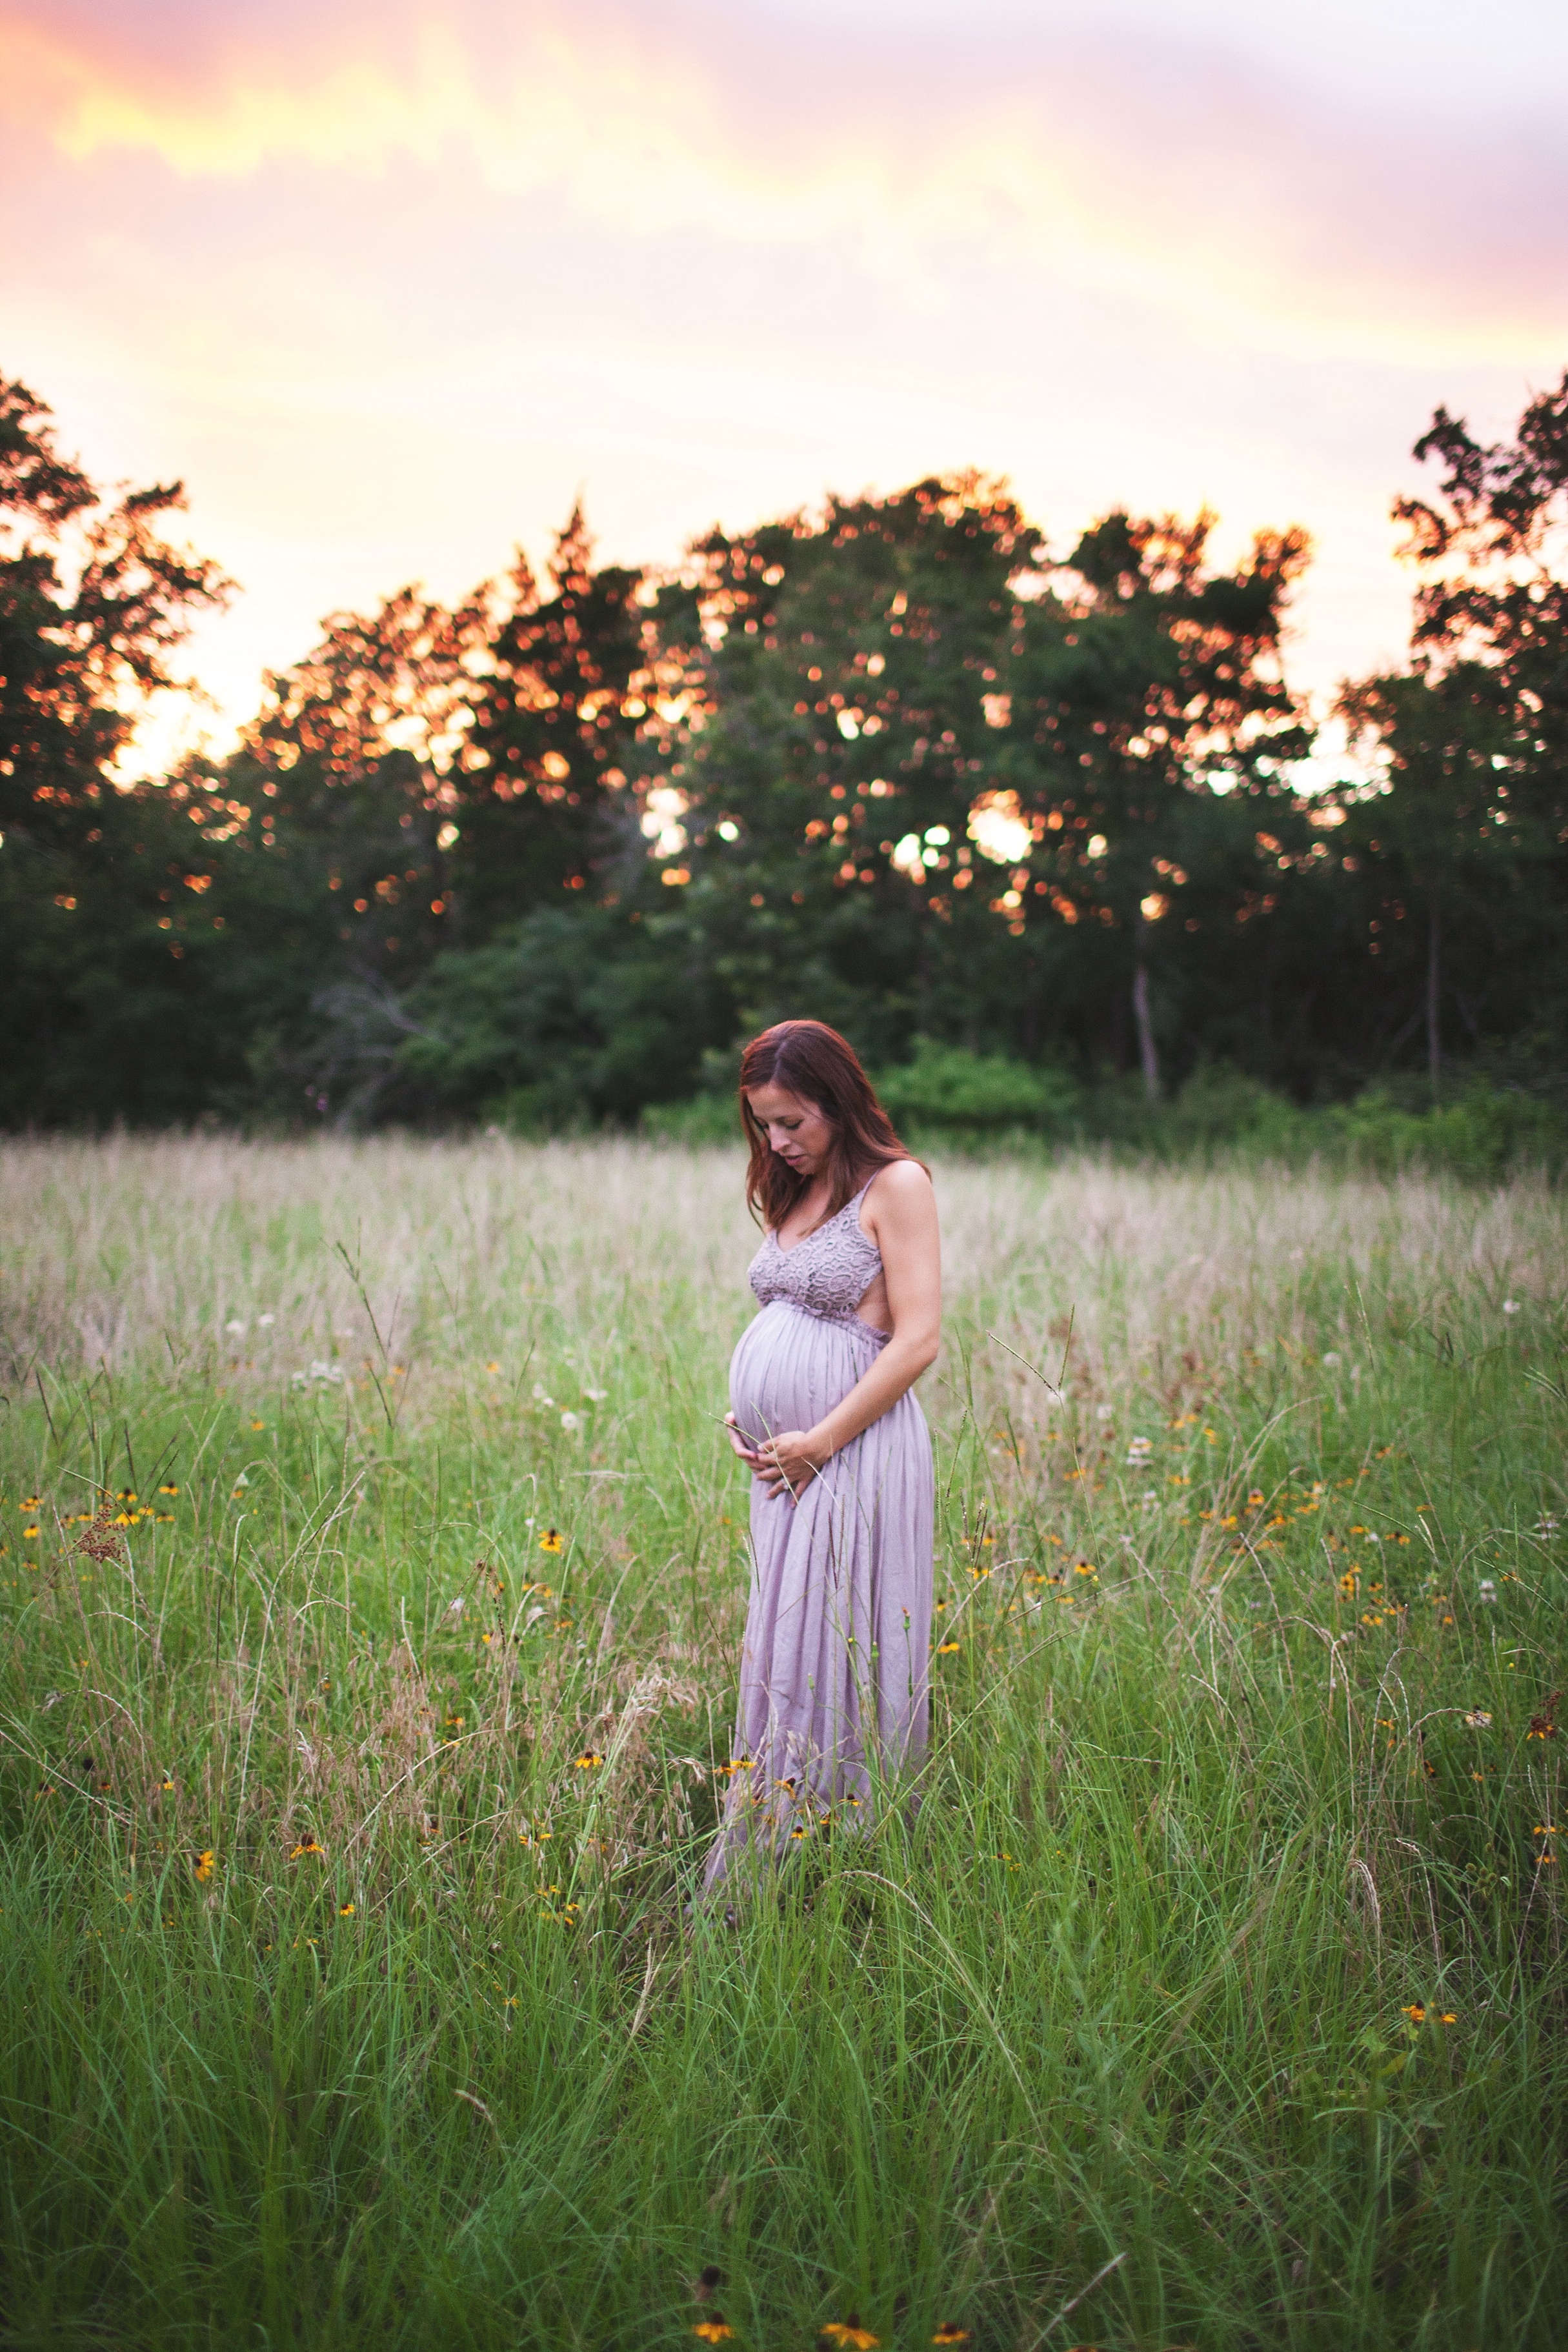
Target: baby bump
x=791 y=1368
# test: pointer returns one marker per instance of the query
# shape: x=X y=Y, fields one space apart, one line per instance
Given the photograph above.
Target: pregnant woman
x=834 y=1665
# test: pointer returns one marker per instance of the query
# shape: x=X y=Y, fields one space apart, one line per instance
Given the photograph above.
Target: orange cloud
x=1177 y=172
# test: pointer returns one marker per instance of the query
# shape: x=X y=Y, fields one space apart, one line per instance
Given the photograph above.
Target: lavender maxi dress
x=834 y=1663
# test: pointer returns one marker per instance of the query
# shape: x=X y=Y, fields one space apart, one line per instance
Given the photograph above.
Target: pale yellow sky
x=388 y=285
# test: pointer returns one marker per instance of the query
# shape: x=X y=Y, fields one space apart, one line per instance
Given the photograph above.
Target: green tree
x=1466 y=850
x=943 y=787
x=1154 y=732
x=109 y=1013
x=542 y=792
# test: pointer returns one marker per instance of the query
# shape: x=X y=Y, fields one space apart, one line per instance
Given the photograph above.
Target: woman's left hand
x=791 y=1460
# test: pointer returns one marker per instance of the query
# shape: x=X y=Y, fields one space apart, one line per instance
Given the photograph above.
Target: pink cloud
x=1184 y=168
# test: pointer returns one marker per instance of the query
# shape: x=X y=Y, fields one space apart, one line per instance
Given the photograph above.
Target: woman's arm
x=901 y=1214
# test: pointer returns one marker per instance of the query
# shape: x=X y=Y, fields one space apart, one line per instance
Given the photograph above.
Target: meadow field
x=372 y=1576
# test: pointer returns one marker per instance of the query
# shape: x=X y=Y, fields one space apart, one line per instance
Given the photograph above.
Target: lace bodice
x=829 y=1273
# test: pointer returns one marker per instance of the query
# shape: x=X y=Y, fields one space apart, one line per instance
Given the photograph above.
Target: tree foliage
x=986 y=808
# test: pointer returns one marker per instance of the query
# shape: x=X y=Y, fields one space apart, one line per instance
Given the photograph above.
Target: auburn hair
x=811 y=1060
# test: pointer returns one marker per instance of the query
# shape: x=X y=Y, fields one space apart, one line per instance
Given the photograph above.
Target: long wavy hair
x=813 y=1061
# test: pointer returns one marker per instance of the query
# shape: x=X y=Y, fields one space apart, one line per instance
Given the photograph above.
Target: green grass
x=1112 y=2043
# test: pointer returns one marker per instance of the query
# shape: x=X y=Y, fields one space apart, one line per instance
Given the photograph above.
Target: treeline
x=1025 y=826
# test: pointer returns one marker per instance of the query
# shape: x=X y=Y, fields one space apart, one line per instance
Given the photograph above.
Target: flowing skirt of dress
x=834 y=1665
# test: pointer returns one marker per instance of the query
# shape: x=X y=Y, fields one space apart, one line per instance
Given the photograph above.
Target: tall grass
x=1213 y=1996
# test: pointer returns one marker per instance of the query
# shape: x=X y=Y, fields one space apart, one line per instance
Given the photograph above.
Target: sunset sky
x=389 y=285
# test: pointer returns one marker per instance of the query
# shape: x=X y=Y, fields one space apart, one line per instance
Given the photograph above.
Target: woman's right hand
x=743 y=1445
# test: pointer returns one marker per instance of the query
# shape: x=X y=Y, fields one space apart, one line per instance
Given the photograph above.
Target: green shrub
x=946 y=1088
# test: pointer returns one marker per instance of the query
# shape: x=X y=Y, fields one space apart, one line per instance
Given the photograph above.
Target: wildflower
x=492 y=1368
x=570 y=1422
x=586 y=1763
x=1415 y=2012
x=1479 y=1719
x=951 y=2333
x=1543 y=1829
x=1083 y=1568
x=1487 y=1592
x=168 y=1490
x=1544 y=1725
x=850 y=2331
x=345 y=1910
x=30 y=1535
x=716 y=2330
x=738 y=1764
x=30 y=1503
x=800 y=1829
x=945 y=1649
x=595 y=1396
x=166 y=1784
x=549 y=1540
x=205 y=1864
x=307 y=1845
x=259 y=1425
x=1348 y=1584
x=1449 y=2017
x=1511 y=1307
x=1255 y=1500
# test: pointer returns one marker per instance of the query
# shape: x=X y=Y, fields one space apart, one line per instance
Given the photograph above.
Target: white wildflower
x=571 y=1421
x=1488 y=1589
x=237 y=1327
x=1479 y=1719
x=1511 y=1307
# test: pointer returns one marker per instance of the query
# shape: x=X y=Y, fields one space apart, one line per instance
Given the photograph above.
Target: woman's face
x=797 y=1130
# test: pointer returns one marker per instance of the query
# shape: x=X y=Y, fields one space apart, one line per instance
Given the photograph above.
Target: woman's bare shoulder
x=900 y=1184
